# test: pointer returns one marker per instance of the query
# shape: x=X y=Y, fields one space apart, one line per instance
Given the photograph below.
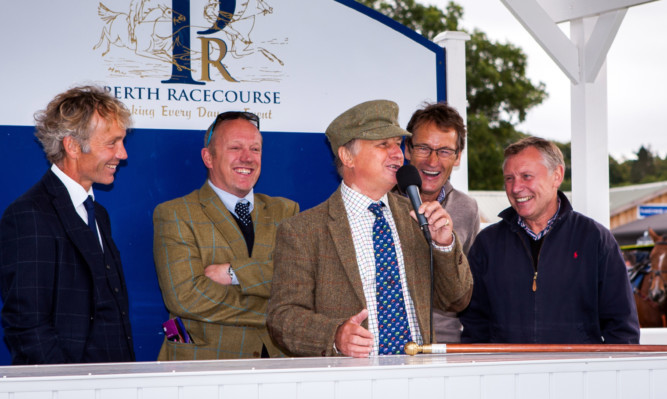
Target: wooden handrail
x=412 y=348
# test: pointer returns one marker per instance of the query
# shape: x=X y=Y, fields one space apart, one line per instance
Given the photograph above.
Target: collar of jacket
x=510 y=216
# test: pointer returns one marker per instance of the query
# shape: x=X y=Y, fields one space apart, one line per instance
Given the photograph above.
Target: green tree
x=427 y=20
x=619 y=172
x=499 y=93
x=643 y=169
x=566 y=149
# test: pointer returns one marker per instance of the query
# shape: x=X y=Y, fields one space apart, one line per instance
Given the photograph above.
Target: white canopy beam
x=543 y=29
x=582 y=57
x=590 y=149
x=568 y=10
x=454 y=44
x=599 y=43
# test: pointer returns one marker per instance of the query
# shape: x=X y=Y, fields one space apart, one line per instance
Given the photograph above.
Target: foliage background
x=499 y=97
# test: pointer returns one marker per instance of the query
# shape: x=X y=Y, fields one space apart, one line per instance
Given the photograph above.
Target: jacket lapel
x=77 y=230
x=341 y=235
x=223 y=221
x=264 y=228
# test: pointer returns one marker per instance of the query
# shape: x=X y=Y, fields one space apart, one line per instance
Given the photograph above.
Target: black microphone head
x=407 y=175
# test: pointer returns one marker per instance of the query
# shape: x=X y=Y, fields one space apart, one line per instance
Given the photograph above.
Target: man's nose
x=395 y=151
x=432 y=158
x=121 y=153
x=247 y=155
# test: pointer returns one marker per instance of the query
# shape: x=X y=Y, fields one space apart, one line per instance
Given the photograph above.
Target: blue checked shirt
x=542 y=233
x=361 y=223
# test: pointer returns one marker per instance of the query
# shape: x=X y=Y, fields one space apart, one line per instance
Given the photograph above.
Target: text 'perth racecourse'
x=194 y=95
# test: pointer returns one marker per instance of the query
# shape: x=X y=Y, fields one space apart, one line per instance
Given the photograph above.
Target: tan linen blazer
x=195 y=231
x=317 y=286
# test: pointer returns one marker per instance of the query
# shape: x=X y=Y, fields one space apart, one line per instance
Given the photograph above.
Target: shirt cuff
x=445 y=248
x=232 y=275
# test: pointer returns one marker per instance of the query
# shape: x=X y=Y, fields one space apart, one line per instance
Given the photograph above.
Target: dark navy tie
x=393 y=326
x=90 y=209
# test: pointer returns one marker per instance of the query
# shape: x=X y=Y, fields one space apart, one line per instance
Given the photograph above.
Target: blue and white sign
x=178 y=63
x=644 y=211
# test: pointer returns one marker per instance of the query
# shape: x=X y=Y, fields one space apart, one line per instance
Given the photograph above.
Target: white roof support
x=455 y=73
x=545 y=31
x=590 y=149
x=582 y=57
x=568 y=10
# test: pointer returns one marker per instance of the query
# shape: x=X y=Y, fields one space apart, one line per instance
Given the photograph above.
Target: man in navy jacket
x=545 y=273
x=61 y=278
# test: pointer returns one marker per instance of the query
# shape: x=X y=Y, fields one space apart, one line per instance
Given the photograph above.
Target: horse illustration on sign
x=151 y=29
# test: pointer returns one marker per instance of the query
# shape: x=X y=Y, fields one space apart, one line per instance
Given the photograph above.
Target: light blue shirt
x=230 y=200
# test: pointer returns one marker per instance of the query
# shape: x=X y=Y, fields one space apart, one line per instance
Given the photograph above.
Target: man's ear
x=407 y=153
x=559 y=175
x=346 y=158
x=457 y=162
x=207 y=157
x=72 y=147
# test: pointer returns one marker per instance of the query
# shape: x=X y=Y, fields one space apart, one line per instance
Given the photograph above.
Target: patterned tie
x=90 y=209
x=393 y=326
x=243 y=213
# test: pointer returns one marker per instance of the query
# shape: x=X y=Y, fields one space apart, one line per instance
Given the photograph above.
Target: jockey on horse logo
x=147 y=29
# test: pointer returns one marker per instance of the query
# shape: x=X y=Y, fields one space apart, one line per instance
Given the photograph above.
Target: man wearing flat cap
x=351 y=276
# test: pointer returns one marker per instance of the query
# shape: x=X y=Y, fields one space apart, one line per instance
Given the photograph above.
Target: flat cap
x=370 y=120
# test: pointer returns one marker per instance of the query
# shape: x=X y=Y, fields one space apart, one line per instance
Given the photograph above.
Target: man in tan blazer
x=213 y=249
x=325 y=296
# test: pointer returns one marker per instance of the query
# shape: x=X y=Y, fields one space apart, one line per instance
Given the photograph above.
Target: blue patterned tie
x=393 y=326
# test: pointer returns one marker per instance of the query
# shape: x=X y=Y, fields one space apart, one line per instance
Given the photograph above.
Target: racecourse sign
x=177 y=63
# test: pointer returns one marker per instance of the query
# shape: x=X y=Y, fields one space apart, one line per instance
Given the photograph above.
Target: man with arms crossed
x=438 y=139
x=213 y=249
x=545 y=273
x=63 y=289
x=352 y=274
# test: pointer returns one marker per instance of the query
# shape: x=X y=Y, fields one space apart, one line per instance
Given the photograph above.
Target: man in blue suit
x=61 y=277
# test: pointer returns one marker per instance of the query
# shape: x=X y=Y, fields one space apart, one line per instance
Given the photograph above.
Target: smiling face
x=371 y=167
x=434 y=171
x=99 y=164
x=234 y=156
x=532 y=188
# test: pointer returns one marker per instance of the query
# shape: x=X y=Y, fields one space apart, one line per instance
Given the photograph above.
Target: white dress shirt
x=361 y=221
x=78 y=195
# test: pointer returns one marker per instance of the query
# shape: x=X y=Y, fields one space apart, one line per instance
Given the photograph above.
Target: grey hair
x=552 y=157
x=72 y=114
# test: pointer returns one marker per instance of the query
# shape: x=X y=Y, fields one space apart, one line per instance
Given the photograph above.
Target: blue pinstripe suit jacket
x=46 y=258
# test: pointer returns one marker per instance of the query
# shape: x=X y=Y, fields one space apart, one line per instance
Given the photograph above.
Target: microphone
x=410 y=182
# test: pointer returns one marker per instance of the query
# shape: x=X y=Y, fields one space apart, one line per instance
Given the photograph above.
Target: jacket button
x=116 y=290
x=255 y=354
x=108 y=267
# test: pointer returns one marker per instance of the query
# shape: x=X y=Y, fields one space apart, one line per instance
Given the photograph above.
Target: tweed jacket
x=48 y=258
x=317 y=286
x=224 y=321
